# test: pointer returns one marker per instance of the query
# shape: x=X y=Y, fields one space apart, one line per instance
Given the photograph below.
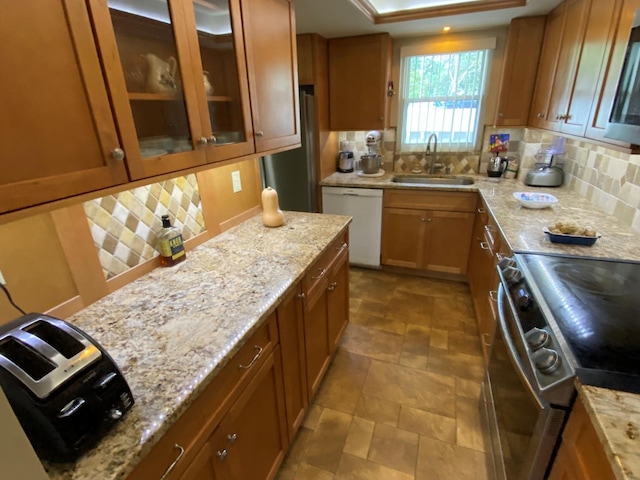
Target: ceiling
x=340 y=18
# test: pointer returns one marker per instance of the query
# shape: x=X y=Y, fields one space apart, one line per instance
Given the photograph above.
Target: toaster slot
x=26 y=358
x=64 y=343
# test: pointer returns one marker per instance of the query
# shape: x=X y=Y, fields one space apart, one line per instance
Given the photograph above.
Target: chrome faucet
x=432 y=157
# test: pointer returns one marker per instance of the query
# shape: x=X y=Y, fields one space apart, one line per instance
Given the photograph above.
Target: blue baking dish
x=571 y=239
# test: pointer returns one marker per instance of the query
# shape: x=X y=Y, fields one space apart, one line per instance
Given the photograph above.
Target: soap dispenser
x=170 y=244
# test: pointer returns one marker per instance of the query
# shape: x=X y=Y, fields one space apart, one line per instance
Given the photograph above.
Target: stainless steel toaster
x=64 y=388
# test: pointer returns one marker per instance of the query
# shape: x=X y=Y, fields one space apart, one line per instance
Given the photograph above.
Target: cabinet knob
x=380 y=118
x=422 y=220
x=541 y=115
x=203 y=141
x=333 y=286
x=212 y=139
x=259 y=133
x=302 y=295
x=117 y=154
x=501 y=115
x=233 y=438
x=222 y=454
x=429 y=220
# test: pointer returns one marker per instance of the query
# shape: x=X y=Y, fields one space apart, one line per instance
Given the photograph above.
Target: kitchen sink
x=433 y=180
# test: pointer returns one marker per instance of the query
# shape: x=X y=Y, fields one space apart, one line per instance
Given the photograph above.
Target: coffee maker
x=345 y=157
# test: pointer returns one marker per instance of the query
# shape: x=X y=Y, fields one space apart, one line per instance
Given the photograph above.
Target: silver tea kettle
x=497 y=166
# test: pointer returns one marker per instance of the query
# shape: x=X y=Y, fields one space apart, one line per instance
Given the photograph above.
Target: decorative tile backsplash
x=124 y=225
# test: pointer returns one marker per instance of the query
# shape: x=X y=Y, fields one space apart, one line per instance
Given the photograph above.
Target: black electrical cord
x=6 y=292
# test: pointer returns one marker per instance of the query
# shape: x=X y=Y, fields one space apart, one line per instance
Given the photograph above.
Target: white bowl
x=535 y=199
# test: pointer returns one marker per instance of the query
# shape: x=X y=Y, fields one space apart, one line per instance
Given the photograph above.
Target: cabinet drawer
x=449 y=201
x=320 y=269
x=202 y=416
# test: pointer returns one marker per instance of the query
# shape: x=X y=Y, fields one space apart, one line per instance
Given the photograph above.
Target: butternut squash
x=272 y=216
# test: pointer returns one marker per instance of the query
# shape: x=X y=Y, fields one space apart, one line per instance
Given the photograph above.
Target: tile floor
x=400 y=400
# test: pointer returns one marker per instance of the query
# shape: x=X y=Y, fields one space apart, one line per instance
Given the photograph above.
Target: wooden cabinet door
x=594 y=50
x=581 y=455
x=359 y=72
x=316 y=339
x=540 y=115
x=403 y=236
x=56 y=128
x=338 y=298
x=522 y=53
x=270 y=36
x=447 y=241
x=610 y=71
x=576 y=15
x=251 y=440
x=294 y=368
x=203 y=466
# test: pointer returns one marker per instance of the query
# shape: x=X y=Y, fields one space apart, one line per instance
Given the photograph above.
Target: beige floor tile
x=394 y=448
x=429 y=286
x=287 y=472
x=298 y=446
x=359 y=437
x=469 y=427
x=312 y=417
x=372 y=343
x=439 y=339
x=468 y=388
x=354 y=468
x=341 y=387
x=411 y=387
x=378 y=410
x=416 y=340
x=411 y=308
x=379 y=322
x=429 y=424
x=441 y=460
x=414 y=361
x=309 y=472
x=461 y=342
x=324 y=447
x=452 y=365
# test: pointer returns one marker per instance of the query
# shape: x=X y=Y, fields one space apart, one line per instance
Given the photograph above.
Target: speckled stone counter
x=616 y=418
x=173 y=330
x=615 y=415
x=522 y=227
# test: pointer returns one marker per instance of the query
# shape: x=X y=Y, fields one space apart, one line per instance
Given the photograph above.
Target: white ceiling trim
x=431 y=12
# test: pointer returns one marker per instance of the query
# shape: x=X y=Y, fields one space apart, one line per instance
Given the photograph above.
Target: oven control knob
x=546 y=360
x=523 y=300
x=512 y=275
x=536 y=338
x=115 y=414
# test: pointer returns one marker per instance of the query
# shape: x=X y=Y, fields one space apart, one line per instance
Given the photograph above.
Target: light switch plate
x=235 y=180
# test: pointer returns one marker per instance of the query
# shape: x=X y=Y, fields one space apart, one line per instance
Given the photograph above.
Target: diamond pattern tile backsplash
x=124 y=225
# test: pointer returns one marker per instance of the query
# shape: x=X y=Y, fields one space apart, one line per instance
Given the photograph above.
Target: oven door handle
x=511 y=348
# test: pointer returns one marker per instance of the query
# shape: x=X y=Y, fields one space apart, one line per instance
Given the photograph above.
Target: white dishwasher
x=365 y=206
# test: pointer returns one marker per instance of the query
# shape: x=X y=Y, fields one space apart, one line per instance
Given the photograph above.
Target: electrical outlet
x=2 y=281
x=235 y=180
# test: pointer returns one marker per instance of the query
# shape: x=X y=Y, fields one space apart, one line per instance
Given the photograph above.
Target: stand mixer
x=370 y=162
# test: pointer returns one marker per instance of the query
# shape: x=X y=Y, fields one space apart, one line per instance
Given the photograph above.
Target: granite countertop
x=174 y=329
x=615 y=414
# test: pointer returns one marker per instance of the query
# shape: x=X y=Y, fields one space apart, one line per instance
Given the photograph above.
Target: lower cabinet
x=487 y=247
x=581 y=455
x=241 y=425
x=427 y=230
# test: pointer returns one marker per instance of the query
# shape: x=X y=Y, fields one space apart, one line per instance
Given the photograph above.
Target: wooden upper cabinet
x=539 y=113
x=270 y=35
x=359 y=74
x=522 y=52
x=56 y=126
x=610 y=70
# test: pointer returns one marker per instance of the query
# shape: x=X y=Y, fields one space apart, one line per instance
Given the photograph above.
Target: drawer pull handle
x=342 y=247
x=222 y=454
x=322 y=272
x=233 y=438
x=493 y=295
x=175 y=462
x=486 y=344
x=482 y=211
x=484 y=246
x=333 y=286
x=254 y=359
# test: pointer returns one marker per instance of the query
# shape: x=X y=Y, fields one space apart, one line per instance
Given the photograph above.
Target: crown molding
x=441 y=11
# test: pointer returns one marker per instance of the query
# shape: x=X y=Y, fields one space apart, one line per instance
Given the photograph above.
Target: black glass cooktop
x=596 y=306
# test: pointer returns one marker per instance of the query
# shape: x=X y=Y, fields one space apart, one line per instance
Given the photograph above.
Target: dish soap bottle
x=170 y=244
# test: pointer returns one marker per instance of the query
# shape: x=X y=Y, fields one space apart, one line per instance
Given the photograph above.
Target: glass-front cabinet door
x=221 y=77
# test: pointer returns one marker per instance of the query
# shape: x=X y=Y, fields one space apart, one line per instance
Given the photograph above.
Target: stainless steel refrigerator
x=293 y=173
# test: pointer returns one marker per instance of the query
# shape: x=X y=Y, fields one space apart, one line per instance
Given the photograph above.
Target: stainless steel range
x=559 y=318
